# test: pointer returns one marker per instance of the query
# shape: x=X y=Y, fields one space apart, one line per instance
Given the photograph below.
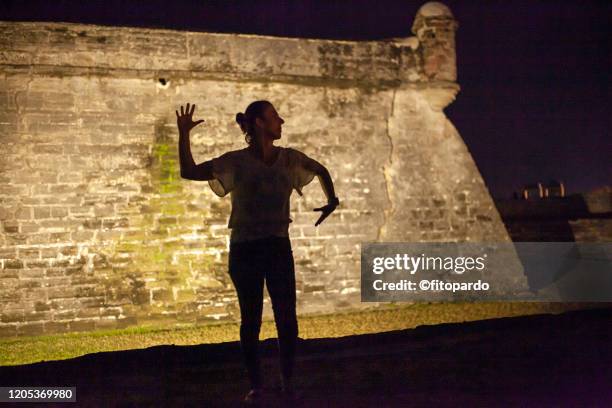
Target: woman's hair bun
x=241 y=119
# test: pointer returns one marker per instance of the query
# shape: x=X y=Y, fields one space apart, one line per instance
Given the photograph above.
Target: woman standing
x=260 y=178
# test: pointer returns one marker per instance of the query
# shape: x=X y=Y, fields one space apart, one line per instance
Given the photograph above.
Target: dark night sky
x=534 y=103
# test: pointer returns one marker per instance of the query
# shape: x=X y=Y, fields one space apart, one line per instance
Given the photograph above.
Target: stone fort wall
x=97 y=229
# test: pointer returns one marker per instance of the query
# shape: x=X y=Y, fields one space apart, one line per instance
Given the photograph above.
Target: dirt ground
x=540 y=360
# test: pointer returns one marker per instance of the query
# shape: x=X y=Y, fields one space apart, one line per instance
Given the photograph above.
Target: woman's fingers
x=197 y=122
x=329 y=207
x=326 y=209
x=186 y=110
x=321 y=218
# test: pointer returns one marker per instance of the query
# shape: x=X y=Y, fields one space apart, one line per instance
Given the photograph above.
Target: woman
x=260 y=178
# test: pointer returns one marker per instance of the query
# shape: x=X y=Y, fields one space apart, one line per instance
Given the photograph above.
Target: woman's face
x=272 y=123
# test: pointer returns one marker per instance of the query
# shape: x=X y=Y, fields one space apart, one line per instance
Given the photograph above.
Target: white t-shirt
x=260 y=193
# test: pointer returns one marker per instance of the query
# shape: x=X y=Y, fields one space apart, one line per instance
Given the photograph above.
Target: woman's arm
x=189 y=169
x=328 y=188
x=324 y=177
x=326 y=183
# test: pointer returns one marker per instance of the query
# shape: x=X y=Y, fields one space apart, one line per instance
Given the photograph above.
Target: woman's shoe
x=255 y=395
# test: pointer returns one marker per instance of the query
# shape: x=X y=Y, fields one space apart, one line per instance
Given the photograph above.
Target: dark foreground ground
x=541 y=360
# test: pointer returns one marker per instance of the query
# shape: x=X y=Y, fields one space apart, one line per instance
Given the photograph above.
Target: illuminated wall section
x=99 y=231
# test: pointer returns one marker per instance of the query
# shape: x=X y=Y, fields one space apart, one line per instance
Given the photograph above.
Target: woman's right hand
x=184 y=121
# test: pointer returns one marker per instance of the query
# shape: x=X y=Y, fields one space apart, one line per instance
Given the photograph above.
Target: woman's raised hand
x=184 y=121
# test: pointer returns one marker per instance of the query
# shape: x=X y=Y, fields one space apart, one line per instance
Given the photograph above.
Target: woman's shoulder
x=296 y=155
x=237 y=153
x=290 y=155
x=292 y=152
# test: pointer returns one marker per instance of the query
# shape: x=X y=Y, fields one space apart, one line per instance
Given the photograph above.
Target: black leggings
x=249 y=263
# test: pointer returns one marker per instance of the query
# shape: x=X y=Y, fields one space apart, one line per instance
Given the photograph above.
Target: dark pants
x=249 y=263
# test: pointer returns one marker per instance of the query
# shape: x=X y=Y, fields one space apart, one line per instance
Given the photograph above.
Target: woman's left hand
x=326 y=210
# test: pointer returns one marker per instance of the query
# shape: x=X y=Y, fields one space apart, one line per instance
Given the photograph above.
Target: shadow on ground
x=539 y=360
